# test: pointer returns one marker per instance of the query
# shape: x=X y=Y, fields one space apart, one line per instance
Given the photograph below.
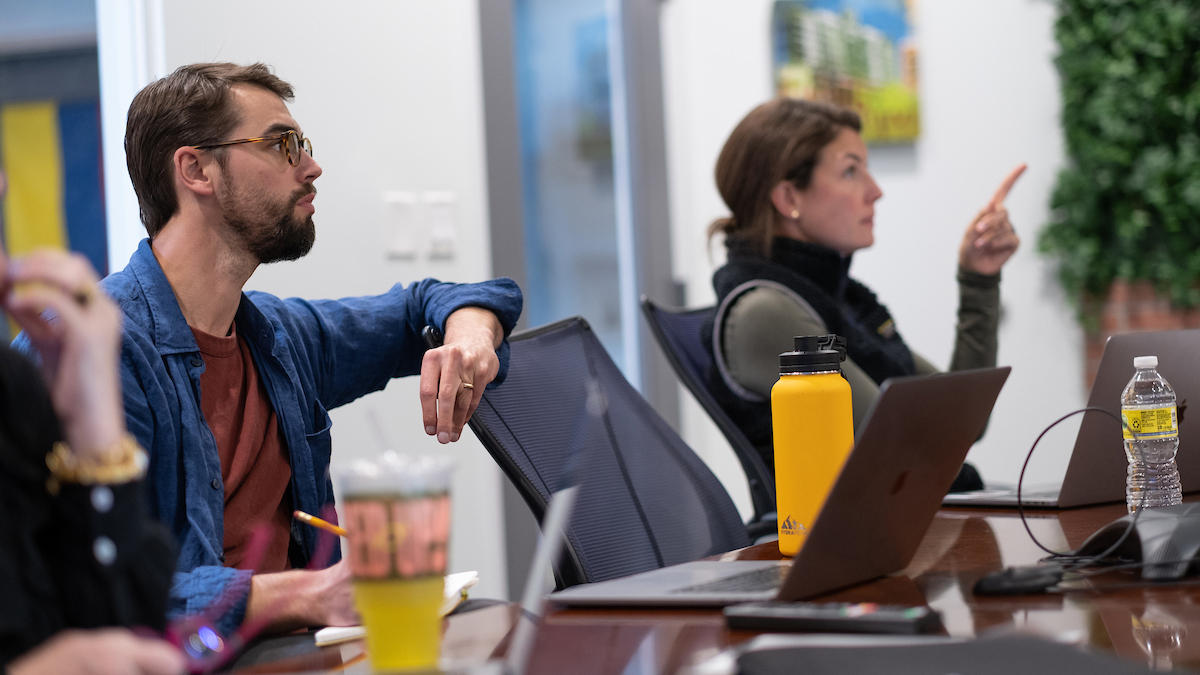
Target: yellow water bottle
x=813 y=421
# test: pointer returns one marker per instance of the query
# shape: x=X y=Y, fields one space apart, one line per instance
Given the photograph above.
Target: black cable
x=1077 y=561
x=1132 y=566
x=1105 y=588
x=1042 y=578
x=1158 y=583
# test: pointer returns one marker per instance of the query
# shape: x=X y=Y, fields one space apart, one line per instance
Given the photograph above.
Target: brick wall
x=1131 y=308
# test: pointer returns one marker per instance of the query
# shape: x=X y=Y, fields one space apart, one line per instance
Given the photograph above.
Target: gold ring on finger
x=84 y=294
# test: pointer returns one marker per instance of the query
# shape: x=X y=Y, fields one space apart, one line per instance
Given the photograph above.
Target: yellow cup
x=397 y=517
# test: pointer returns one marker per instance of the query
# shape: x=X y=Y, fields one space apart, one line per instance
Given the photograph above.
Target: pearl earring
x=795 y=214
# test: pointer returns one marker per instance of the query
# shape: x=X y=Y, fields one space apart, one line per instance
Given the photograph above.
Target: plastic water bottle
x=813 y=424
x=1151 y=432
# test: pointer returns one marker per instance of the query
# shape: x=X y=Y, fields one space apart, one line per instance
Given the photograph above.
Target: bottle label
x=791 y=527
x=1154 y=423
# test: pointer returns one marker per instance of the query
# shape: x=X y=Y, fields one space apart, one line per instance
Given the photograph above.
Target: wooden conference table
x=1158 y=626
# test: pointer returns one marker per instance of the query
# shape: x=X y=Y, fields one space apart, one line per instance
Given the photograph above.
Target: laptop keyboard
x=765 y=579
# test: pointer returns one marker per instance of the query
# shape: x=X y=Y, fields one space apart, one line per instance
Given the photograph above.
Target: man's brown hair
x=779 y=140
x=191 y=106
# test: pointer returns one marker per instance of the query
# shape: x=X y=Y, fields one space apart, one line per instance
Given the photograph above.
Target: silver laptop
x=1096 y=473
x=520 y=646
x=916 y=437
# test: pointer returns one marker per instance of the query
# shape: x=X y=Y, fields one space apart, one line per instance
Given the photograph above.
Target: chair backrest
x=566 y=414
x=680 y=335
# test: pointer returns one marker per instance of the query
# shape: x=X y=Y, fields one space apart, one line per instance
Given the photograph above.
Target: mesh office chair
x=679 y=334
x=566 y=414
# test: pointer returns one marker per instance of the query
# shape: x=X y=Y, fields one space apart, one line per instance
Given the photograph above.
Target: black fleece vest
x=848 y=308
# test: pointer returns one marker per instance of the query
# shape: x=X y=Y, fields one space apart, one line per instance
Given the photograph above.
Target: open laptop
x=520 y=645
x=1096 y=473
x=916 y=437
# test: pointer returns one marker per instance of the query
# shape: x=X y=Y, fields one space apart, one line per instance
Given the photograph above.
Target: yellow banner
x=32 y=157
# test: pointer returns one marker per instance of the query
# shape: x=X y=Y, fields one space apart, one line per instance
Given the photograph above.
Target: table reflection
x=1158 y=625
x=1160 y=635
x=645 y=642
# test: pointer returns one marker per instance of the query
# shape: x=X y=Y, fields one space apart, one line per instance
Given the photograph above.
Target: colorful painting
x=858 y=54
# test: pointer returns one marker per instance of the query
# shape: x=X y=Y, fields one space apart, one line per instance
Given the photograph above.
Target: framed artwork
x=858 y=54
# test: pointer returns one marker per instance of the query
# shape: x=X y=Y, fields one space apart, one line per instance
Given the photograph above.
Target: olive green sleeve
x=760 y=325
x=975 y=340
x=975 y=343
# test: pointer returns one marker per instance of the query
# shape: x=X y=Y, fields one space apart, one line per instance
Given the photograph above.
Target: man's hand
x=108 y=651
x=79 y=348
x=337 y=596
x=454 y=375
x=303 y=598
x=990 y=240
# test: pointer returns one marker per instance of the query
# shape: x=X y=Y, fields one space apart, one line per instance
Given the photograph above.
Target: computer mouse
x=1030 y=580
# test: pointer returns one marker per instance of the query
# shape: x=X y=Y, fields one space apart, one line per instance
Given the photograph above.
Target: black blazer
x=53 y=573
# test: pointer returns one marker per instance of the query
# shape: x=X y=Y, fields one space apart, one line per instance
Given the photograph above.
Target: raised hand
x=78 y=340
x=990 y=239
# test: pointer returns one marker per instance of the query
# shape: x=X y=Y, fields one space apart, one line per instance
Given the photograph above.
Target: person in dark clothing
x=77 y=550
x=794 y=175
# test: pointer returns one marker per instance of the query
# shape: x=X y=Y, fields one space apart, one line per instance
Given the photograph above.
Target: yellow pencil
x=318 y=523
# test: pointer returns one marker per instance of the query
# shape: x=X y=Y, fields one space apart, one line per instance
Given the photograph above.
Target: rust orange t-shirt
x=254 y=459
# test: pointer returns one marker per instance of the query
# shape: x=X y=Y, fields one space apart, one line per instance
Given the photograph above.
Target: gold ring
x=84 y=294
x=468 y=385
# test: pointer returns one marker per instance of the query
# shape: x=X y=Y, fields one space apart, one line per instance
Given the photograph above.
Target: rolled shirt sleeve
x=355 y=345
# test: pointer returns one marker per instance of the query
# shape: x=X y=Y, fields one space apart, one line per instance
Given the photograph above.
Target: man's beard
x=267 y=229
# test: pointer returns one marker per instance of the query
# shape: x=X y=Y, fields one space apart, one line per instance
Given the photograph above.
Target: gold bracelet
x=129 y=463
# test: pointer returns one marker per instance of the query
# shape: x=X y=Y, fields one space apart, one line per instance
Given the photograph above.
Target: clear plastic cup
x=397 y=516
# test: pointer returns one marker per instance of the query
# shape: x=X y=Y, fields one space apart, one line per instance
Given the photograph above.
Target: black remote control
x=833 y=617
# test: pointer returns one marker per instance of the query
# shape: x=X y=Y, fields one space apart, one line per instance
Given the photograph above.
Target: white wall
x=390 y=94
x=989 y=100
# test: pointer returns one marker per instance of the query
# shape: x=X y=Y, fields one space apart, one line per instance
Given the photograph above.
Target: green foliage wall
x=1128 y=203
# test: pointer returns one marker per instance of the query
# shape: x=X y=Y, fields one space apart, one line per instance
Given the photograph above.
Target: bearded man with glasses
x=228 y=391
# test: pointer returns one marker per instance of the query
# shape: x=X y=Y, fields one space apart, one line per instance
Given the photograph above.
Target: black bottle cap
x=814 y=354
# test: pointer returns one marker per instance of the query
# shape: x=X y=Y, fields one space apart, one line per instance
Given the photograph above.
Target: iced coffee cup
x=397 y=515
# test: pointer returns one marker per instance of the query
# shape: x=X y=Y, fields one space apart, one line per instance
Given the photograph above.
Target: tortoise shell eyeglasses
x=290 y=141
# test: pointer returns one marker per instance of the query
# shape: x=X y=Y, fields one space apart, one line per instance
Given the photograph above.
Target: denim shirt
x=311 y=355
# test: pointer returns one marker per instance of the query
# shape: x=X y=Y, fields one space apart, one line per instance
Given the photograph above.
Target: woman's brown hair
x=779 y=140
